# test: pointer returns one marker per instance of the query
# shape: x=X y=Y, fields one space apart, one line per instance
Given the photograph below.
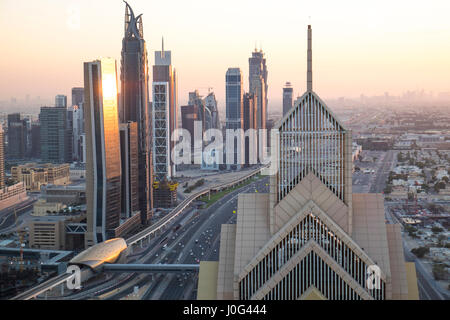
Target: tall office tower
x=249 y=122
x=53 y=134
x=61 y=101
x=130 y=168
x=77 y=96
x=77 y=121
x=190 y=114
x=135 y=103
x=35 y=140
x=235 y=111
x=211 y=106
x=287 y=97
x=69 y=134
x=17 y=136
x=258 y=85
x=103 y=170
x=310 y=237
x=164 y=113
x=2 y=158
x=78 y=130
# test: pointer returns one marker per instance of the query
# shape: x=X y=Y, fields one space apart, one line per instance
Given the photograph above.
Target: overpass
x=163 y=223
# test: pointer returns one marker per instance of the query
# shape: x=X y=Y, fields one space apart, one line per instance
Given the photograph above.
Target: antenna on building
x=309 y=72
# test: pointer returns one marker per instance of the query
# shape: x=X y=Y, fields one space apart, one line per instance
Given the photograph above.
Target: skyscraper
x=164 y=113
x=130 y=168
x=235 y=112
x=257 y=78
x=54 y=139
x=211 y=105
x=135 y=102
x=287 y=97
x=103 y=167
x=77 y=96
x=61 y=101
x=311 y=237
x=249 y=122
x=17 y=136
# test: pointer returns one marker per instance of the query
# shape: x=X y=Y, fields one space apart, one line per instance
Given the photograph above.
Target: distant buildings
x=77 y=96
x=61 y=101
x=103 y=167
x=287 y=97
x=35 y=175
x=258 y=86
x=234 y=115
x=135 y=103
x=250 y=122
x=54 y=138
x=164 y=113
x=17 y=137
x=77 y=123
x=9 y=195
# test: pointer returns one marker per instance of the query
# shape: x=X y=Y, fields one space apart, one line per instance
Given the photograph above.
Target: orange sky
x=359 y=47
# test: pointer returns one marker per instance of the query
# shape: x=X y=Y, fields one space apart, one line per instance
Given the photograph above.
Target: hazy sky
x=359 y=47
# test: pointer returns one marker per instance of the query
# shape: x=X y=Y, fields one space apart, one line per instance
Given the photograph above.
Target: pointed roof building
x=310 y=237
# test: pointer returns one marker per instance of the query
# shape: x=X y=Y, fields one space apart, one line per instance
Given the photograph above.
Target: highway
x=382 y=174
x=180 y=246
x=8 y=217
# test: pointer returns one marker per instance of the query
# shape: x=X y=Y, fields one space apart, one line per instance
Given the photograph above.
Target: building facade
x=250 y=122
x=164 y=113
x=258 y=85
x=54 y=146
x=311 y=237
x=287 y=97
x=17 y=136
x=130 y=168
x=103 y=168
x=234 y=92
x=135 y=103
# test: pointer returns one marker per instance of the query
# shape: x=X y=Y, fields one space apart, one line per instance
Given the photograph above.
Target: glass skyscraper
x=103 y=167
x=135 y=102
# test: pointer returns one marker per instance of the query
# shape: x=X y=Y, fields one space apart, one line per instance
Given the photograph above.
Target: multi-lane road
x=193 y=237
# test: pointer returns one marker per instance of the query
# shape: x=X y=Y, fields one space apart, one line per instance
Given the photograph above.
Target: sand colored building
x=310 y=237
x=35 y=175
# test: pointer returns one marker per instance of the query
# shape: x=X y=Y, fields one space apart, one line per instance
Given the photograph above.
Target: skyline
x=374 y=50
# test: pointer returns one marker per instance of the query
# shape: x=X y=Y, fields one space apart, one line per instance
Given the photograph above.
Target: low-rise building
x=36 y=175
x=44 y=208
x=12 y=195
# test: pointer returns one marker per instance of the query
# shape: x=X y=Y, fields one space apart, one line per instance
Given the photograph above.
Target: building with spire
x=135 y=103
x=258 y=86
x=310 y=237
x=164 y=114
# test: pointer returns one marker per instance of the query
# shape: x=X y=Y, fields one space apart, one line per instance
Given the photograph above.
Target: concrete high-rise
x=249 y=123
x=54 y=146
x=135 y=103
x=257 y=78
x=17 y=136
x=103 y=167
x=61 y=101
x=211 y=106
x=77 y=96
x=311 y=237
x=164 y=113
x=235 y=113
x=287 y=97
x=130 y=168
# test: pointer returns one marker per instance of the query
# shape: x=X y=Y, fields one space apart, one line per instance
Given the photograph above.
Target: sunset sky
x=359 y=47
